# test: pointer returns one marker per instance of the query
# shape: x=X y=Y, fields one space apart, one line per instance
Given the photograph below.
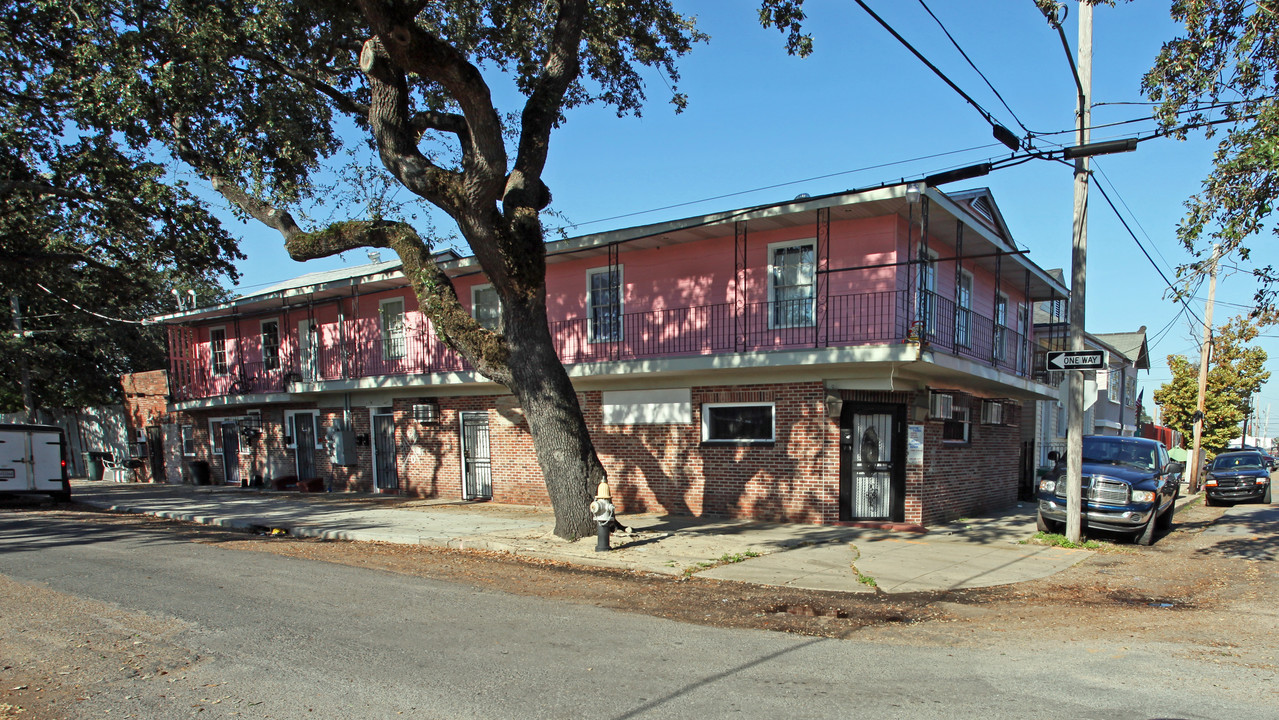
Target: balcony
x=359 y=350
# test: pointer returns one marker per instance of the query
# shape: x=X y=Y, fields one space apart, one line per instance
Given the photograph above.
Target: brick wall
x=145 y=405
x=664 y=468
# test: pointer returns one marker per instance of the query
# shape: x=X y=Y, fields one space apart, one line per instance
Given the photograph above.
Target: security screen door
x=385 y=475
x=867 y=451
x=477 y=475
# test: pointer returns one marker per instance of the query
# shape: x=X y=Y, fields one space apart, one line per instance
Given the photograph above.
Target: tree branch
x=43 y=189
x=414 y=50
x=396 y=140
x=343 y=101
x=436 y=295
x=524 y=187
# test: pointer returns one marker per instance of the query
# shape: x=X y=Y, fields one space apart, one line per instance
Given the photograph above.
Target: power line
x=1003 y=134
x=89 y=312
x=1133 y=235
x=974 y=66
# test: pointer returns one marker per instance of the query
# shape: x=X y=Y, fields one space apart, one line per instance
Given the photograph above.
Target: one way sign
x=1076 y=359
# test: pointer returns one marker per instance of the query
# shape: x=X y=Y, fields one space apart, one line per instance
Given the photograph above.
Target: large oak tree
x=262 y=98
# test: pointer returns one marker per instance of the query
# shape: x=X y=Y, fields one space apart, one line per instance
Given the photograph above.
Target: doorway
x=477 y=474
x=872 y=462
x=304 y=444
x=385 y=475
x=230 y=452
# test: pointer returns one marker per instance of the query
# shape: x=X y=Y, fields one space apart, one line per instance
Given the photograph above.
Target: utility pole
x=24 y=370
x=1078 y=265
x=1205 y=352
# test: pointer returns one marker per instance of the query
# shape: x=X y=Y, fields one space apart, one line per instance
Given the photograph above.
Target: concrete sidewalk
x=972 y=553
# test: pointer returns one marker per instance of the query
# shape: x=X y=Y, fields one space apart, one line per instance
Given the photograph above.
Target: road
x=212 y=632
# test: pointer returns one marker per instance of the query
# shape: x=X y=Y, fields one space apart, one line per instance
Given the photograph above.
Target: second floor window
x=270 y=344
x=1001 y=327
x=793 y=278
x=217 y=350
x=486 y=307
x=1113 y=385
x=964 y=309
x=392 y=319
x=604 y=304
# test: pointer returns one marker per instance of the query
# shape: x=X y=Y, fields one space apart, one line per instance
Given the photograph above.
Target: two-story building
x=1111 y=402
x=857 y=356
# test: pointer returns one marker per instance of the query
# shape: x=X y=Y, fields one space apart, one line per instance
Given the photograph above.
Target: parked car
x=1270 y=459
x=1129 y=486
x=1235 y=476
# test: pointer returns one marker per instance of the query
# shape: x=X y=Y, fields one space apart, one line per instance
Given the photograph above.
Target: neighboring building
x=860 y=356
x=1111 y=402
x=153 y=436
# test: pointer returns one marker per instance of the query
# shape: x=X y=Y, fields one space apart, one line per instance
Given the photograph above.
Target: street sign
x=1076 y=360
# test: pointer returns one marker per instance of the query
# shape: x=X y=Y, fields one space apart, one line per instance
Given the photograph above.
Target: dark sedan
x=1236 y=476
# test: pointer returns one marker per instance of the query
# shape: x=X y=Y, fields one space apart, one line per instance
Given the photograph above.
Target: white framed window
x=1001 y=326
x=391 y=320
x=1114 y=385
x=1130 y=391
x=270 y=344
x=792 y=283
x=486 y=307
x=217 y=350
x=290 y=433
x=604 y=304
x=964 y=309
x=215 y=433
x=738 y=422
x=188 y=440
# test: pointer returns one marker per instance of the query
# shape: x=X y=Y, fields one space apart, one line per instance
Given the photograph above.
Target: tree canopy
x=94 y=233
x=1236 y=372
x=455 y=100
x=1221 y=75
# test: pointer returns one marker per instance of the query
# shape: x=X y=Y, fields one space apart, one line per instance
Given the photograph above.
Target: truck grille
x=1108 y=492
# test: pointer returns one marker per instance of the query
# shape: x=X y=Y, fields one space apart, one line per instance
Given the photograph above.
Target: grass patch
x=725 y=559
x=867 y=580
x=1058 y=540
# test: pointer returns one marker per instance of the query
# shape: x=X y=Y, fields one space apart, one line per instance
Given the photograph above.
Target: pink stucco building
x=854 y=357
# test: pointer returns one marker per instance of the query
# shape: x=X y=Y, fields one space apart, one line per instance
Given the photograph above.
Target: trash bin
x=199 y=472
x=93 y=465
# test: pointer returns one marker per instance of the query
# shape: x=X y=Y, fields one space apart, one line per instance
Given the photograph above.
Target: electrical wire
x=974 y=66
x=88 y=312
x=1133 y=235
x=984 y=112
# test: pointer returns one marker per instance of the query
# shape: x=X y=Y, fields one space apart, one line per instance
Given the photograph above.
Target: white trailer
x=33 y=460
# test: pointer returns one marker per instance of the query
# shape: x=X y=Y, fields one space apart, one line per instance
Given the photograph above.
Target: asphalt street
x=287 y=638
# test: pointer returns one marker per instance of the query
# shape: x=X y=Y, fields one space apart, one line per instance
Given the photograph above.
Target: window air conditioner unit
x=992 y=412
x=427 y=413
x=941 y=406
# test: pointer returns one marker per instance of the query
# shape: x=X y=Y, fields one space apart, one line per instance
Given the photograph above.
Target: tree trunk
x=560 y=438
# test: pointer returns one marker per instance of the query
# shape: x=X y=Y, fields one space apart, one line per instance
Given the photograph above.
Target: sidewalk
x=971 y=553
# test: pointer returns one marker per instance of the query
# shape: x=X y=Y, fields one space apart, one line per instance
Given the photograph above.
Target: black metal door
x=231 y=453
x=477 y=477
x=872 y=463
x=304 y=439
x=155 y=451
x=385 y=475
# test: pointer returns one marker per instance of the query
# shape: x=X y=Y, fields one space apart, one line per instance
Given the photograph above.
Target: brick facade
x=658 y=468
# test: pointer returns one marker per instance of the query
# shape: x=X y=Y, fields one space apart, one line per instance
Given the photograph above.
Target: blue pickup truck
x=1129 y=485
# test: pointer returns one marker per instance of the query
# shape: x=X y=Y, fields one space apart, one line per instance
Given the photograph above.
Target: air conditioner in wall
x=992 y=412
x=941 y=406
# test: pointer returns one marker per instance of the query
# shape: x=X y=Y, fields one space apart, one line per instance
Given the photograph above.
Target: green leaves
x=1237 y=371
x=1225 y=66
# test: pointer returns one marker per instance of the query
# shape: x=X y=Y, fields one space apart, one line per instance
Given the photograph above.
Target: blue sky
x=763 y=127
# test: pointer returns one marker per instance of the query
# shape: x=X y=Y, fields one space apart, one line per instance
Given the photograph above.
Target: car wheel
x=1147 y=535
x=1209 y=501
x=60 y=497
x=1164 y=522
x=1045 y=525
x=1266 y=497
